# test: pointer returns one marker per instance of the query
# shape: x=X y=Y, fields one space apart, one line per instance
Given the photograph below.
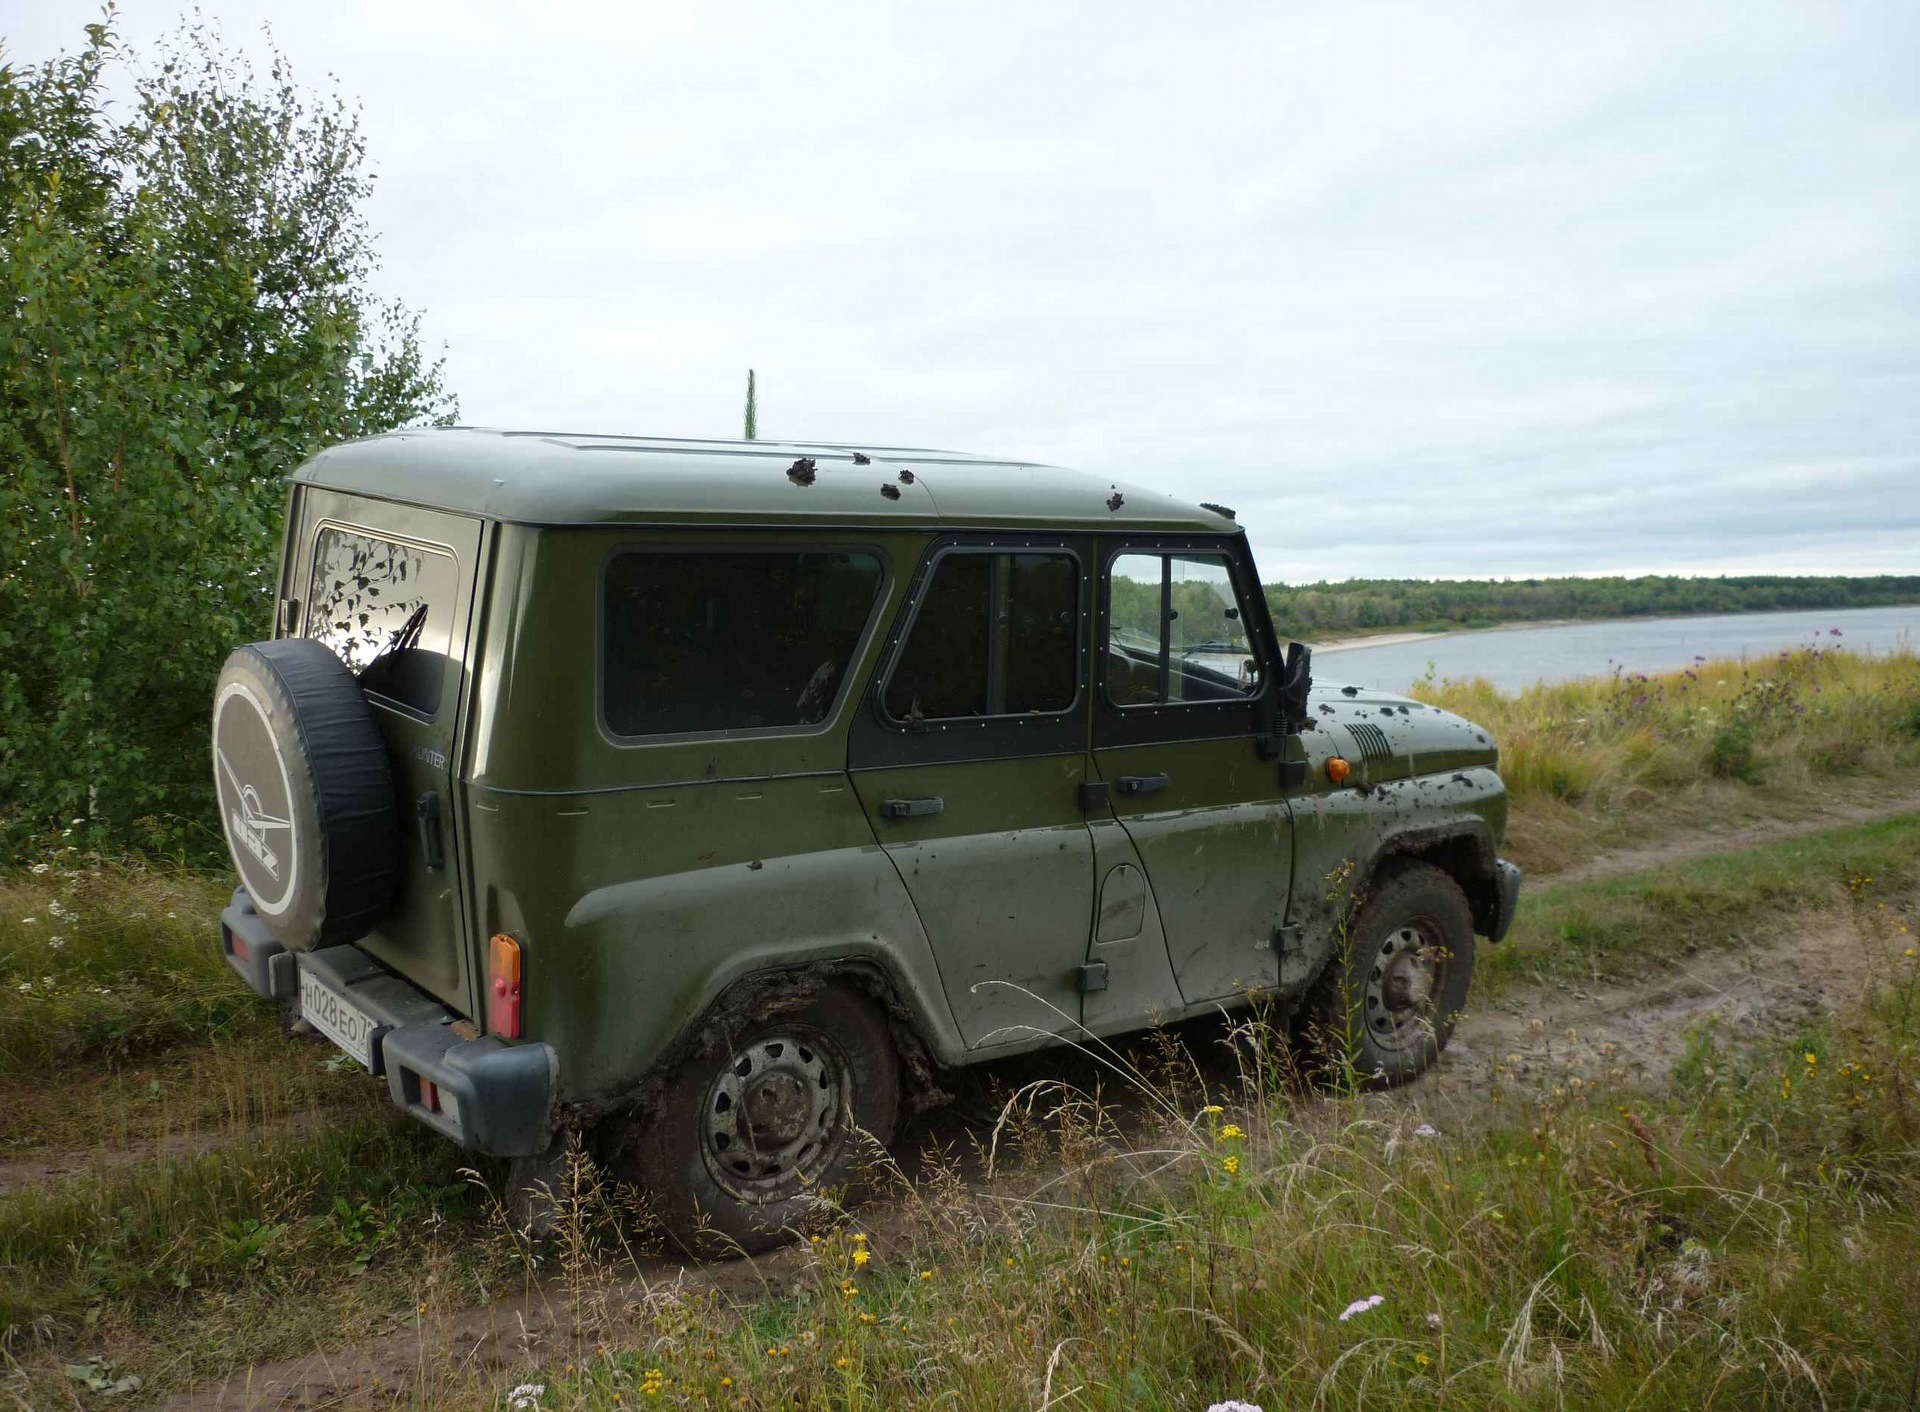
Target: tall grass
x=100 y=965
x=1796 y=718
x=1747 y=1241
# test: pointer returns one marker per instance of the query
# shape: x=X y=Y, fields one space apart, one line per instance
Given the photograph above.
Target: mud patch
x=1636 y=1031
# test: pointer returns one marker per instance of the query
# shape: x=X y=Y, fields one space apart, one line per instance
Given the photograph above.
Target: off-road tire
x=1362 y=1032
x=669 y=1150
x=305 y=791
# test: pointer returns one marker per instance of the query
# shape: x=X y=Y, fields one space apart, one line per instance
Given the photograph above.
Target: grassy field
x=1604 y=762
x=184 y=1191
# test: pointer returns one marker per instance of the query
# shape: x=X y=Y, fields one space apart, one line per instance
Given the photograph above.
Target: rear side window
x=996 y=635
x=385 y=608
x=718 y=640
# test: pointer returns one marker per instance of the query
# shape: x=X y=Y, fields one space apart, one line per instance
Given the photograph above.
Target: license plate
x=336 y=1017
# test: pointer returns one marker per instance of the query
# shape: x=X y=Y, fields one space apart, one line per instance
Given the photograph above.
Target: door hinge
x=289 y=616
x=1095 y=795
x=1091 y=977
x=1285 y=939
x=1293 y=773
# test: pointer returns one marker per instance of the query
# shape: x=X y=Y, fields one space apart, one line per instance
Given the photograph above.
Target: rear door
x=389 y=588
x=968 y=757
x=1184 y=675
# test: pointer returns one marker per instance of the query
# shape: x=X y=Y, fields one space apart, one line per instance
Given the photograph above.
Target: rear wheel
x=765 y=1116
x=1386 y=1010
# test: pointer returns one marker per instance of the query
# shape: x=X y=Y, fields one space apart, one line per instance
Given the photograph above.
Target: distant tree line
x=1362 y=605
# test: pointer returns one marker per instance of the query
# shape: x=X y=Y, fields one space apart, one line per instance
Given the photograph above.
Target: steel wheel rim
x=1408 y=974
x=771 y=1122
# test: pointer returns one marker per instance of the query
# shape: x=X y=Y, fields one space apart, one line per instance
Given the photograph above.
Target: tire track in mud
x=1687 y=846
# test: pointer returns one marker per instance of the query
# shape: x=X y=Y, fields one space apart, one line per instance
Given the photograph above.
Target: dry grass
x=1595 y=763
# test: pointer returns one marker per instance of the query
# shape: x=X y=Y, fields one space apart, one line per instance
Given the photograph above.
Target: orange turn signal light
x=503 y=987
x=1338 y=770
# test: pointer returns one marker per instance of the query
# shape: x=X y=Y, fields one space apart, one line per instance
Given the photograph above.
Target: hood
x=1389 y=737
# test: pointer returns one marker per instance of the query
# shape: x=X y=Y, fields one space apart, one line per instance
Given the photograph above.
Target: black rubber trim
x=1508 y=876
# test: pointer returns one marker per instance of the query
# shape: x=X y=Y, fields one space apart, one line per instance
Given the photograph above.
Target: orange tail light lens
x=503 y=987
x=1338 y=770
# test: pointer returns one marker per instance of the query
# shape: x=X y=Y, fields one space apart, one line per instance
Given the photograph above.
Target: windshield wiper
x=405 y=638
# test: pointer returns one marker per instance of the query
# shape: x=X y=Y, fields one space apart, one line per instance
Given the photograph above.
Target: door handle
x=911 y=808
x=1142 y=784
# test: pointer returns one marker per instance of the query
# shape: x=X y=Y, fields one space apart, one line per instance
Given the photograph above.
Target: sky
x=1421 y=289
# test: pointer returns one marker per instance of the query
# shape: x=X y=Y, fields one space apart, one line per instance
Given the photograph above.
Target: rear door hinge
x=1094 y=794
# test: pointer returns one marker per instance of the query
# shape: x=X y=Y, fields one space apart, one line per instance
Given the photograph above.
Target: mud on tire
x=765 y=1115
x=1386 y=1008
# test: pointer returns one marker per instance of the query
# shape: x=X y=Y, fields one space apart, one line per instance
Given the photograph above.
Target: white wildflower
x=55 y=910
x=526 y=1396
x=1434 y=1321
x=1234 y=1406
x=1361 y=1306
x=1426 y=1130
x=28 y=921
x=54 y=943
x=38 y=868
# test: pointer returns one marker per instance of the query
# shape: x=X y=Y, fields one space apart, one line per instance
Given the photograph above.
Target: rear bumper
x=1507 y=877
x=485 y=1094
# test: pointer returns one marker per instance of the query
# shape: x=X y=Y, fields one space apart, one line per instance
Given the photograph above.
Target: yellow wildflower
x=926 y=1274
x=726 y=1382
x=1232 y=1165
x=860 y=1257
x=1211 y=1109
x=1232 y=1131
x=1422 y=1359
x=839 y=1362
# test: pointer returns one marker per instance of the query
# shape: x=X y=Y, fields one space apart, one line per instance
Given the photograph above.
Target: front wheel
x=1387 y=1008
x=762 y=1117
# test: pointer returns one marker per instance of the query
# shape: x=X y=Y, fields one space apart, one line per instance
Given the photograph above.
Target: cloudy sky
x=1421 y=289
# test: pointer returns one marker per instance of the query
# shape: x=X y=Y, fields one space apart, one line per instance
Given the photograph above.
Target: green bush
x=1730 y=754
x=185 y=317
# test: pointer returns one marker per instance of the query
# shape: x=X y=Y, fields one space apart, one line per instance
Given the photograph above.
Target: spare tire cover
x=306 y=792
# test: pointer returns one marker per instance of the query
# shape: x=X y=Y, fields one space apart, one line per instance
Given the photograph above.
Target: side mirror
x=1296 y=681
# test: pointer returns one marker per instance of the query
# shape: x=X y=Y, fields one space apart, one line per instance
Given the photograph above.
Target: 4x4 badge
x=250 y=822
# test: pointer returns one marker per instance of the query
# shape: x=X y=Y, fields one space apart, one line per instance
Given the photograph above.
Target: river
x=1512 y=658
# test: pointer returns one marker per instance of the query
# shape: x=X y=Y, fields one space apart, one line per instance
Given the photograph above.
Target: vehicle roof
x=556 y=478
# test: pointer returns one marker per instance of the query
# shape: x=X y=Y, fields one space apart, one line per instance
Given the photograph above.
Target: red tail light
x=236 y=944
x=503 y=987
x=429 y=1095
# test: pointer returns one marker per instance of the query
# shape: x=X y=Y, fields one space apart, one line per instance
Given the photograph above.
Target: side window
x=716 y=640
x=386 y=610
x=996 y=635
x=1176 y=632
